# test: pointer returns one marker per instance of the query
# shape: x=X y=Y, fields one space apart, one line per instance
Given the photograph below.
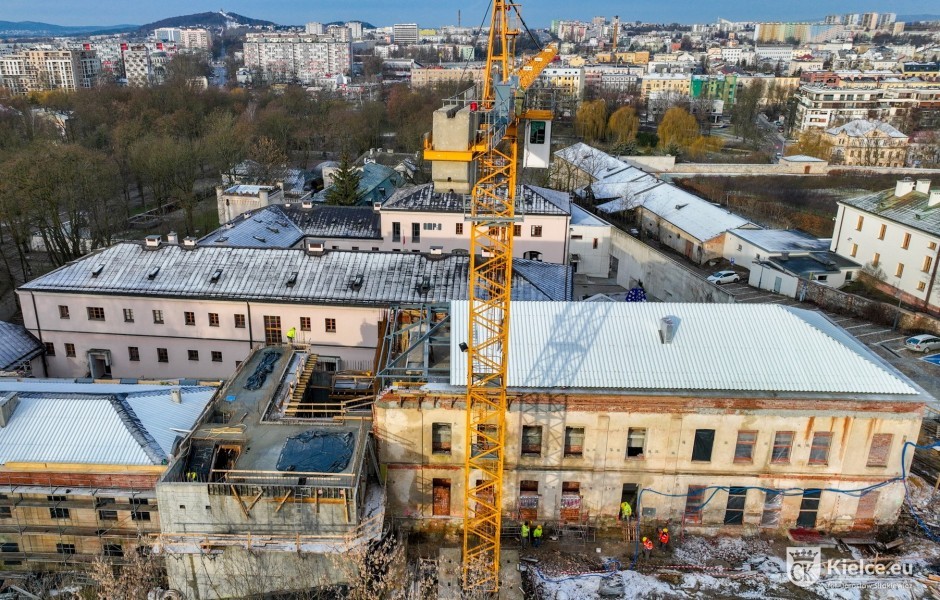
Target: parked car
x=723 y=277
x=922 y=343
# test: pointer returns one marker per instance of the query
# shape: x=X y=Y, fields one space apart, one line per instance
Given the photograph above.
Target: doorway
x=809 y=507
x=99 y=364
x=777 y=282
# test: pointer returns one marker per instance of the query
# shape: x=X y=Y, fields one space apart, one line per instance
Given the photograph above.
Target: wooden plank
x=255 y=501
x=283 y=501
x=240 y=503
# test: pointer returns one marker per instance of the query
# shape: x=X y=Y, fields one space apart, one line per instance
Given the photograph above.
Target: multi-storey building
x=48 y=69
x=292 y=57
x=896 y=232
x=821 y=106
x=405 y=34
x=716 y=87
x=650 y=413
x=196 y=39
x=867 y=143
x=803 y=33
x=79 y=464
x=655 y=85
x=569 y=80
x=432 y=76
x=314 y=28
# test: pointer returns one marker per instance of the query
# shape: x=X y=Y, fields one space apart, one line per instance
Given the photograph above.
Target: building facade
x=49 y=69
x=867 y=143
x=282 y=58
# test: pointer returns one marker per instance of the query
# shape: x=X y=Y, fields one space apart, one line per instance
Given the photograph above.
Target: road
x=772 y=140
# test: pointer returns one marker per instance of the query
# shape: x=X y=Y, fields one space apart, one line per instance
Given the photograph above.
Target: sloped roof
x=617 y=345
x=82 y=425
x=16 y=345
x=529 y=200
x=596 y=163
x=910 y=210
x=324 y=220
x=581 y=217
x=782 y=240
x=262 y=274
x=864 y=127
x=266 y=227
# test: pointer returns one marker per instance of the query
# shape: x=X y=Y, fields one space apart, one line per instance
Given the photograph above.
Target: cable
x=907 y=493
x=526 y=27
x=476 y=38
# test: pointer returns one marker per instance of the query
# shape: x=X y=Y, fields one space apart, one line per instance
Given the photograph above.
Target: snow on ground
x=717 y=551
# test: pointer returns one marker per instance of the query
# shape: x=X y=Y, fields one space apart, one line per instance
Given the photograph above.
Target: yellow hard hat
x=644 y=539
x=665 y=530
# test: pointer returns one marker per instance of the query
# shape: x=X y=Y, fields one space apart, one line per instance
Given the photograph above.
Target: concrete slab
x=448 y=573
x=510 y=578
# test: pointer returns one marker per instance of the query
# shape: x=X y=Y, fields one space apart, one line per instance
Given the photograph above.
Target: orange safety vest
x=664 y=537
x=648 y=544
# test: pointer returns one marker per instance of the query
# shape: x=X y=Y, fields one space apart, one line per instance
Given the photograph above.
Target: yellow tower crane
x=490 y=163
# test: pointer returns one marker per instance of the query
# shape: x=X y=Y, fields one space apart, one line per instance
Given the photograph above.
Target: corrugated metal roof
x=89 y=427
x=579 y=216
x=263 y=273
x=782 y=240
x=326 y=221
x=699 y=218
x=530 y=200
x=266 y=227
x=911 y=210
x=596 y=163
x=16 y=345
x=729 y=347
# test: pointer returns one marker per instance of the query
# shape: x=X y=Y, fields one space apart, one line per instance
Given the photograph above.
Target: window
x=5 y=511
x=106 y=514
x=458 y=229
x=809 y=506
x=330 y=325
x=932 y=246
x=240 y=321
x=880 y=449
x=484 y=438
x=921 y=286
x=50 y=348
x=158 y=317
x=900 y=270
x=192 y=354
x=783 y=442
x=136 y=513
x=854 y=250
x=906 y=242
x=744 y=449
x=58 y=512
x=65 y=548
x=531 y=440
x=693 y=504
x=928 y=262
x=216 y=356
x=133 y=353
x=517 y=230
x=702 y=446
x=858 y=224
x=63 y=311
x=415 y=232
x=440 y=495
x=574 y=441
x=272 y=330
x=636 y=442
x=396 y=232
x=213 y=319
x=536 y=132
x=128 y=315
x=305 y=323
x=882 y=231
x=95 y=313
x=771 y=515
x=114 y=550
x=876 y=259
x=162 y=355
x=189 y=318
x=440 y=438
x=536 y=231
x=70 y=350
x=595 y=243
x=734 y=511
x=819 y=450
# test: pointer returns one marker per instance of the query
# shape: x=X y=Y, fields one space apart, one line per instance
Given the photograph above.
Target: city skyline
x=433 y=14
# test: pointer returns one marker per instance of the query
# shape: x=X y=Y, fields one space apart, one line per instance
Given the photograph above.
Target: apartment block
x=282 y=58
x=48 y=69
x=405 y=34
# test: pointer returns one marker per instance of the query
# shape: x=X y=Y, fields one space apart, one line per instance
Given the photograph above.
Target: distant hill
x=34 y=29
x=206 y=19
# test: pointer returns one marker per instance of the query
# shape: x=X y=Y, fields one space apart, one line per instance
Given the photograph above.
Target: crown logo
x=803 y=554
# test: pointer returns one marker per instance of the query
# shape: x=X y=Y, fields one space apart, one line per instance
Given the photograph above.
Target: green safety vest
x=626 y=510
x=525 y=531
x=538 y=532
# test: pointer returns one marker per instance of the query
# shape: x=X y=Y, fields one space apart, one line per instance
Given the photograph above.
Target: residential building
x=48 y=69
x=802 y=33
x=159 y=310
x=238 y=199
x=286 y=57
x=405 y=34
x=268 y=493
x=168 y=34
x=589 y=425
x=640 y=57
x=775 y=54
x=867 y=143
x=314 y=28
x=196 y=39
x=569 y=80
x=715 y=87
x=655 y=85
x=79 y=463
x=18 y=348
x=377 y=183
x=896 y=234
x=589 y=249
x=821 y=106
x=613 y=77
x=434 y=76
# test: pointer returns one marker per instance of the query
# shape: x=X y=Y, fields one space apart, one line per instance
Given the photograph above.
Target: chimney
x=172 y=238
x=263 y=197
x=7 y=406
x=668 y=326
x=314 y=247
x=933 y=199
x=152 y=242
x=306 y=204
x=176 y=396
x=189 y=242
x=922 y=186
x=904 y=187
x=437 y=250
x=377 y=207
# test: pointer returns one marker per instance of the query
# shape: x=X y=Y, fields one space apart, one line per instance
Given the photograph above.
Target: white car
x=923 y=343
x=723 y=277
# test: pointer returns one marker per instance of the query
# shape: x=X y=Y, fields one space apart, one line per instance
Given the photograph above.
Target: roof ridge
x=137 y=430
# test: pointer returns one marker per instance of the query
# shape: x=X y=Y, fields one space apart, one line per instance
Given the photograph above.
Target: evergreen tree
x=345 y=188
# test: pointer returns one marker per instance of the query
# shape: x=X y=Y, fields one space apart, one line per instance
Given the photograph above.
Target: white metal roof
x=699 y=218
x=721 y=347
x=863 y=127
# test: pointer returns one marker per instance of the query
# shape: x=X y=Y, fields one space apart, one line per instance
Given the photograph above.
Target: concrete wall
x=664 y=278
x=652 y=163
x=592 y=245
x=666 y=465
x=878 y=312
x=453 y=134
x=231 y=205
x=772 y=280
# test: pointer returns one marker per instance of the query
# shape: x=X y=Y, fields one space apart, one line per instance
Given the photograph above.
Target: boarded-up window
x=636 y=442
x=819 y=451
x=734 y=512
x=809 y=507
x=880 y=449
x=702 y=447
x=570 y=501
x=531 y=440
x=693 y=504
x=574 y=441
x=528 y=500
x=744 y=449
x=441 y=497
x=440 y=438
x=771 y=515
x=865 y=514
x=783 y=443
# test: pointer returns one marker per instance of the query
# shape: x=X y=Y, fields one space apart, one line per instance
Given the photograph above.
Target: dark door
x=809 y=507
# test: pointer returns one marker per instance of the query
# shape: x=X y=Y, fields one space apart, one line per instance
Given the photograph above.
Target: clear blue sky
x=431 y=13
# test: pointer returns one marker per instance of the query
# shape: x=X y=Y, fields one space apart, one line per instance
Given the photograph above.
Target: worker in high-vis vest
x=291 y=334
x=525 y=534
x=647 y=547
x=537 y=536
x=664 y=537
x=626 y=511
